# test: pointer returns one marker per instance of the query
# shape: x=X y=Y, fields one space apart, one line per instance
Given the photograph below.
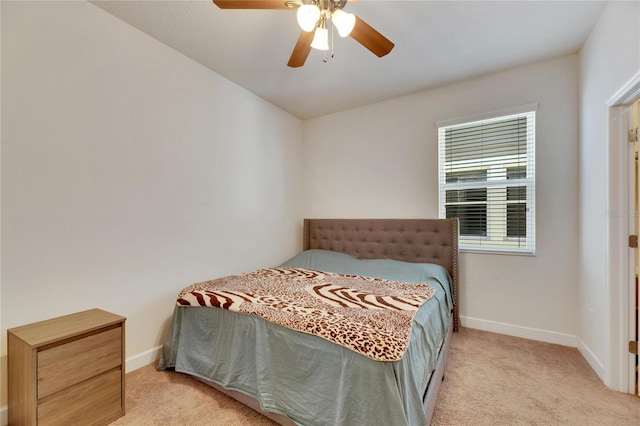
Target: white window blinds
x=487 y=180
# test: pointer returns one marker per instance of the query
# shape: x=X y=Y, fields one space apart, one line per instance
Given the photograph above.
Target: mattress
x=308 y=379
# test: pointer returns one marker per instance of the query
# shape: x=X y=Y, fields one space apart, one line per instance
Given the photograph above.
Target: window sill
x=495 y=251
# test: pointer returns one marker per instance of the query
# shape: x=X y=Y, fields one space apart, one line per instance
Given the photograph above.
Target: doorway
x=620 y=372
x=630 y=121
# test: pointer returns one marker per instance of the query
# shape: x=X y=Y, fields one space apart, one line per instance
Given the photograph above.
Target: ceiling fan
x=312 y=17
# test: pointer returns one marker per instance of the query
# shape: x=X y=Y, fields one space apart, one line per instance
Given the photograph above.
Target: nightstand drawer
x=62 y=366
x=96 y=401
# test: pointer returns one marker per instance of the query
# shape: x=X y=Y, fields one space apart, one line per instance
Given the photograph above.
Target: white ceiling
x=436 y=42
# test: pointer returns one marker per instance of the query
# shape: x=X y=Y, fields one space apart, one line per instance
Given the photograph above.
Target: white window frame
x=496 y=240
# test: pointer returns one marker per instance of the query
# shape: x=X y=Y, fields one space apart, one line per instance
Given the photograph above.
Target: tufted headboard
x=409 y=240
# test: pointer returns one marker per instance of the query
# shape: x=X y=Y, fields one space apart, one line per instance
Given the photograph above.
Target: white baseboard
x=133 y=363
x=143 y=358
x=520 y=331
x=591 y=359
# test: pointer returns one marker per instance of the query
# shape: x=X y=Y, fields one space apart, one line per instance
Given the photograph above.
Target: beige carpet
x=490 y=379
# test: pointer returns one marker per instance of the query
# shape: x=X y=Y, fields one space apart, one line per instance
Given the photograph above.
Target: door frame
x=618 y=269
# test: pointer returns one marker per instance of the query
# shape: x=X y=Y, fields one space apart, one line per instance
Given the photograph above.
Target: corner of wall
x=592 y=359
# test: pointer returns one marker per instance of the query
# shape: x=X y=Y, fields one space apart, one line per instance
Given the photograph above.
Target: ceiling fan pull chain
x=332 y=28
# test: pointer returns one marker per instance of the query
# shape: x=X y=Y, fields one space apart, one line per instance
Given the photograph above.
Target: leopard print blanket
x=370 y=316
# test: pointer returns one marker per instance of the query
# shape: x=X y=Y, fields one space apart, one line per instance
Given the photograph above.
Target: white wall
x=381 y=161
x=608 y=59
x=127 y=167
x=130 y=171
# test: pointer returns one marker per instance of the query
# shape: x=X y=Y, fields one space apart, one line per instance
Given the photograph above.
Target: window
x=487 y=180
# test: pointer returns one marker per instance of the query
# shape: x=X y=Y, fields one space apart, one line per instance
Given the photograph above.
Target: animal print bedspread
x=368 y=315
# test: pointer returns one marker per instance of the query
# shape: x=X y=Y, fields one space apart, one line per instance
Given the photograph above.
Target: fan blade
x=301 y=51
x=364 y=34
x=251 y=4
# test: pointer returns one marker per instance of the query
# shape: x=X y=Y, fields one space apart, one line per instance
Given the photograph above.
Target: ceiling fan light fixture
x=344 y=22
x=321 y=39
x=308 y=15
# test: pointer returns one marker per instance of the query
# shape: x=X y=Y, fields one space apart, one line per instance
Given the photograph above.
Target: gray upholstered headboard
x=409 y=240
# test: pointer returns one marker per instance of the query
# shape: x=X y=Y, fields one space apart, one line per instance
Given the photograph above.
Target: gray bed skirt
x=429 y=402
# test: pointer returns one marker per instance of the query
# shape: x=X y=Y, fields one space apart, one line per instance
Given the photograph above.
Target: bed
x=297 y=378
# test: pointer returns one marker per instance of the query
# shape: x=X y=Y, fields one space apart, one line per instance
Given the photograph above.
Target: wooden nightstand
x=68 y=370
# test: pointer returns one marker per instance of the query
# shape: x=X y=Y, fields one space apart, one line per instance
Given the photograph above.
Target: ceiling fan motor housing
x=329 y=5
